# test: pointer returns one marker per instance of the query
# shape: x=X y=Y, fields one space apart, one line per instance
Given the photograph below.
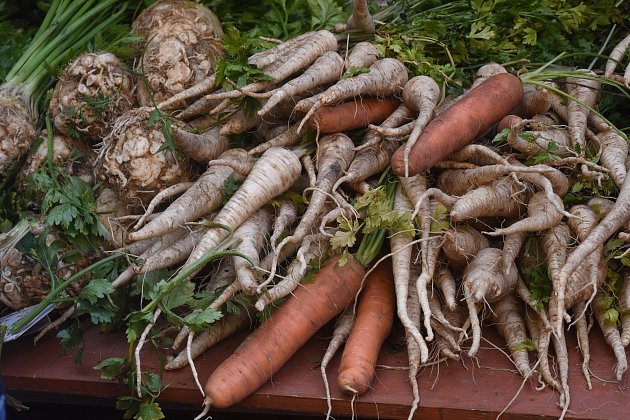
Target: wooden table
x=473 y=389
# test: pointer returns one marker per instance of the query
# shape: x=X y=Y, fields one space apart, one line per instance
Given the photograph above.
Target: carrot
x=270 y=346
x=274 y=172
x=386 y=78
x=230 y=324
x=358 y=113
x=203 y=197
x=372 y=325
x=463 y=122
x=506 y=316
x=541 y=215
x=363 y=54
x=326 y=69
x=200 y=147
x=611 y=334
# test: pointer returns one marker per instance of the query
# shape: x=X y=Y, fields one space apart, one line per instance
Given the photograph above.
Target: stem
x=52 y=295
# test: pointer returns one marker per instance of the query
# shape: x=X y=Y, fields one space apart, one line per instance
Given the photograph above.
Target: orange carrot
x=459 y=125
x=268 y=348
x=358 y=113
x=373 y=323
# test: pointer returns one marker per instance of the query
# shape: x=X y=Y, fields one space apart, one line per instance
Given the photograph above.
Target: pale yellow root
x=587 y=92
x=624 y=304
x=289 y=137
x=363 y=54
x=461 y=243
x=252 y=234
x=237 y=159
x=445 y=281
x=169 y=192
x=506 y=316
x=614 y=151
x=502 y=198
x=616 y=55
x=512 y=244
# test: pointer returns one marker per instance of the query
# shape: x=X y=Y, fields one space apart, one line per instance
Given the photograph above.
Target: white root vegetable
x=274 y=172
x=363 y=54
x=228 y=325
x=285 y=216
x=325 y=70
x=461 y=243
x=484 y=282
x=611 y=335
x=400 y=244
x=506 y=316
x=581 y=331
x=615 y=57
x=512 y=243
x=624 y=304
x=499 y=198
x=237 y=159
x=201 y=148
x=445 y=281
x=252 y=234
x=587 y=92
x=173 y=254
x=614 y=152
x=541 y=215
x=386 y=78
x=200 y=199
x=288 y=137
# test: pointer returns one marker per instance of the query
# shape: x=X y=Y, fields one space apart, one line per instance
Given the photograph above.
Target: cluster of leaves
x=535 y=272
x=281 y=19
x=432 y=36
x=69 y=203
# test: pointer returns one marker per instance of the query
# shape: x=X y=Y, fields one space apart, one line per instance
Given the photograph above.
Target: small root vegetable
x=326 y=69
x=176 y=252
x=286 y=214
x=201 y=148
x=274 y=172
x=415 y=352
x=200 y=199
x=581 y=330
x=386 y=78
x=313 y=247
x=421 y=94
x=445 y=281
x=585 y=91
x=371 y=160
x=340 y=334
x=252 y=234
x=400 y=244
x=363 y=54
x=357 y=113
x=237 y=159
x=615 y=57
x=624 y=304
x=541 y=215
x=501 y=198
x=288 y=137
x=228 y=325
x=512 y=244
x=611 y=334
x=373 y=323
x=461 y=243
x=536 y=100
x=614 y=151
x=484 y=282
x=506 y=316
x=360 y=19
x=460 y=124
x=169 y=192
x=268 y=348
x=334 y=154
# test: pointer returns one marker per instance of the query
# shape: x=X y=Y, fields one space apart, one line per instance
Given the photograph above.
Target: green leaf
x=131 y=405
x=345 y=237
x=528 y=344
x=198 y=321
x=154 y=117
x=353 y=71
x=149 y=410
x=230 y=186
x=112 y=368
x=179 y=295
x=153 y=383
x=611 y=317
x=70 y=337
x=96 y=289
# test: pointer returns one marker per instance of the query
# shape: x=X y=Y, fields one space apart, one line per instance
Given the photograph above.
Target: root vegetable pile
x=277 y=185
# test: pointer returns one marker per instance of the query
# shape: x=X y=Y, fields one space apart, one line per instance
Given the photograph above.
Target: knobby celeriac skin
x=17 y=130
x=131 y=161
x=181 y=46
x=93 y=90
